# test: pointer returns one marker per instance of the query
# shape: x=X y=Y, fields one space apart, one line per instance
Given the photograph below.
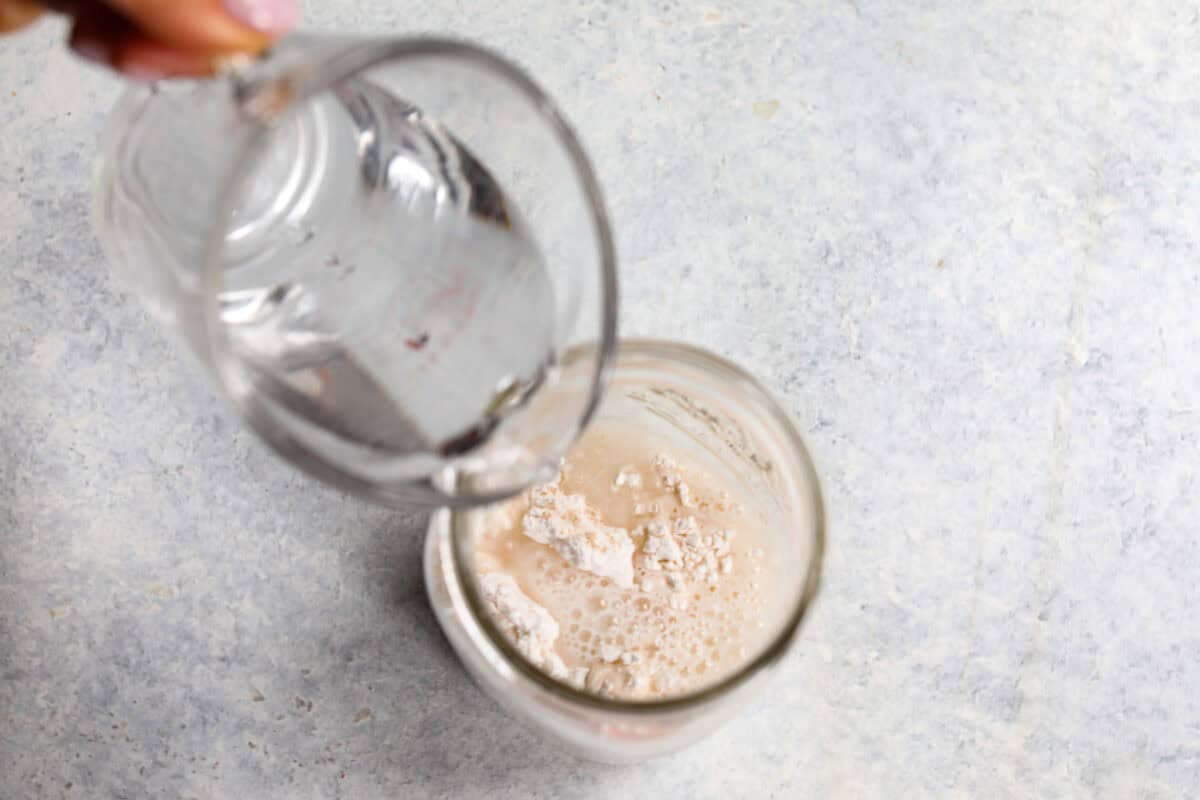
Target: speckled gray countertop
x=960 y=239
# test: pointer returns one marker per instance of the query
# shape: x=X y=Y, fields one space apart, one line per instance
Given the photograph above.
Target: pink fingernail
x=142 y=73
x=268 y=16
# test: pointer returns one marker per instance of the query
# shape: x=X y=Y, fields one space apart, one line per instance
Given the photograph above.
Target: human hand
x=152 y=39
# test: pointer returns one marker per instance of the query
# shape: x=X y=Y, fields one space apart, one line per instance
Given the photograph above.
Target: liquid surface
x=673 y=608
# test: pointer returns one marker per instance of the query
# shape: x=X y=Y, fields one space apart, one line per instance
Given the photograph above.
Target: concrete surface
x=960 y=239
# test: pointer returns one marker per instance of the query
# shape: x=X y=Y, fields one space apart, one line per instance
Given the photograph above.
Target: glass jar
x=708 y=409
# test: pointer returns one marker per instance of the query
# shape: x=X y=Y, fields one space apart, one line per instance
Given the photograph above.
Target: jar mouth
x=463 y=562
x=267 y=92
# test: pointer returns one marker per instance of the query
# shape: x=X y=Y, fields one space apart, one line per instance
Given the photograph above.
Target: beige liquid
x=675 y=630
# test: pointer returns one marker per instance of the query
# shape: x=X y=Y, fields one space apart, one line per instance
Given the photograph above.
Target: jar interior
x=710 y=413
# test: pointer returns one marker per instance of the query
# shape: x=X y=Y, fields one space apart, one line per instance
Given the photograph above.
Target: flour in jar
x=634 y=574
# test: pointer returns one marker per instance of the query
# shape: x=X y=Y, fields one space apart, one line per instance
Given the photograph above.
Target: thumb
x=211 y=25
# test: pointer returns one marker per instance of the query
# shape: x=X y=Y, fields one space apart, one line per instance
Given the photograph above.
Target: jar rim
x=779 y=645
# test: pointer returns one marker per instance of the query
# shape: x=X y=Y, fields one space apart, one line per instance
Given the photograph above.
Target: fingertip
x=103 y=37
x=147 y=61
x=226 y=26
x=272 y=17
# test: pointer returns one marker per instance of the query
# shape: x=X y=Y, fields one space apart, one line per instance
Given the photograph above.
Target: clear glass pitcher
x=393 y=256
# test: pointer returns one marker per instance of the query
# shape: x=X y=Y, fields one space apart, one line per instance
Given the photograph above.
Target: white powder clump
x=669 y=477
x=569 y=526
x=628 y=476
x=685 y=553
x=530 y=628
x=660 y=550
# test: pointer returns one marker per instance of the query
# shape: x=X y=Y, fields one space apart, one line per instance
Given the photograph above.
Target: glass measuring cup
x=392 y=254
